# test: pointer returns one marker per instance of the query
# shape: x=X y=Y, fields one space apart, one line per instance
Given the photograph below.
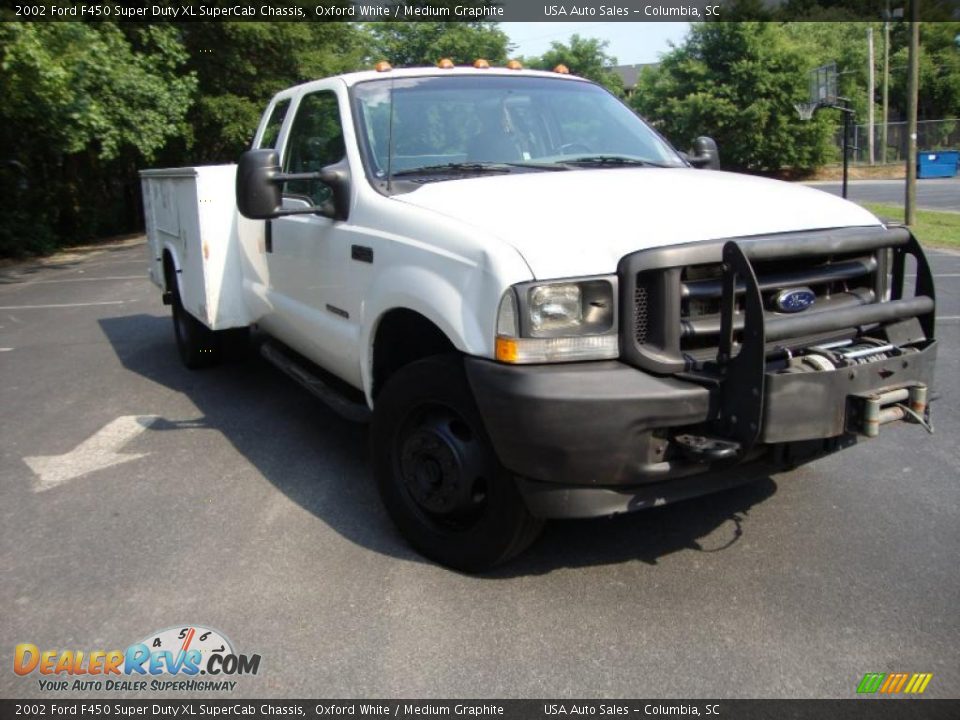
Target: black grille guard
x=743 y=367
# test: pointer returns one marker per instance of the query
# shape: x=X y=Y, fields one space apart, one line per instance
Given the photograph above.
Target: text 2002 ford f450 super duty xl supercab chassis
x=544 y=308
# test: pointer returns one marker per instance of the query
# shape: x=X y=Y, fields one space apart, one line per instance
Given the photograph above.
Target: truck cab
x=543 y=307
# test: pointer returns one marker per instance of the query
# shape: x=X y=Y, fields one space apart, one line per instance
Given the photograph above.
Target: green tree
x=241 y=65
x=586 y=57
x=408 y=44
x=81 y=109
x=939 y=58
x=844 y=43
x=737 y=82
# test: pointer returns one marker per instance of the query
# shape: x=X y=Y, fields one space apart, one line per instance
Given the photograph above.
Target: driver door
x=306 y=254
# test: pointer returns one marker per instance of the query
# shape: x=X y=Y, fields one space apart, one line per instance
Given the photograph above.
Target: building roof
x=631 y=73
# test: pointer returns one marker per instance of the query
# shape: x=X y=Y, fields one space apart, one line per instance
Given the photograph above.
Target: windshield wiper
x=478 y=167
x=460 y=167
x=611 y=161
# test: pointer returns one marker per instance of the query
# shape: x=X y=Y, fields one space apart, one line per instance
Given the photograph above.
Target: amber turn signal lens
x=507 y=349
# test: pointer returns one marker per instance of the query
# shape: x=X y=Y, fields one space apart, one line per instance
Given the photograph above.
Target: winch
x=843 y=353
x=870 y=410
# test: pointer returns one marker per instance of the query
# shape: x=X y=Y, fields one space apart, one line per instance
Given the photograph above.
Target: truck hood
x=581 y=222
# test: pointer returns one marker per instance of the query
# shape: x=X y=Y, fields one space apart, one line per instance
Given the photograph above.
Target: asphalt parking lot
x=932 y=193
x=240 y=503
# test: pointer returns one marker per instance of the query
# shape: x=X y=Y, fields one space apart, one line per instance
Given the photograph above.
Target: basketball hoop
x=806 y=109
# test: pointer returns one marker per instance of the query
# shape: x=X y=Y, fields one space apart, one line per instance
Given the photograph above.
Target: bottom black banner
x=867 y=709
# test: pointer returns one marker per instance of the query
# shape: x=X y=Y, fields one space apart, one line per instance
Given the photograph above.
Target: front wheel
x=438 y=475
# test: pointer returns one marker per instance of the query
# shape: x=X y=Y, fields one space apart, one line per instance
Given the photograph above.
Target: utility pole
x=871 y=85
x=886 y=86
x=910 y=201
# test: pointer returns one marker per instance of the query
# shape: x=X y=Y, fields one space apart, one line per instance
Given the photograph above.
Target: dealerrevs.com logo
x=171 y=659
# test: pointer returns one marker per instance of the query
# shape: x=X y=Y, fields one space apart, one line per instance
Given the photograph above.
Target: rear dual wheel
x=438 y=474
x=198 y=345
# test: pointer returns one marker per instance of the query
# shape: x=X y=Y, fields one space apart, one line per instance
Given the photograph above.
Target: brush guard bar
x=743 y=366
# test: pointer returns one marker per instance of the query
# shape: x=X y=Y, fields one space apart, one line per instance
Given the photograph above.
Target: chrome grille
x=837 y=282
x=676 y=291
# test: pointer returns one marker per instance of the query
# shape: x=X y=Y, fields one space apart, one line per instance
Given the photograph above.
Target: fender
x=177 y=267
x=468 y=326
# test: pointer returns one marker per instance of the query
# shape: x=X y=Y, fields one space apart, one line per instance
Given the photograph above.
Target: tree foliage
x=241 y=65
x=407 y=44
x=85 y=105
x=80 y=87
x=79 y=104
x=586 y=57
x=939 y=61
x=737 y=82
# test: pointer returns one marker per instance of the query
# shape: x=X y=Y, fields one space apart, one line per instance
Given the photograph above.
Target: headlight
x=558 y=322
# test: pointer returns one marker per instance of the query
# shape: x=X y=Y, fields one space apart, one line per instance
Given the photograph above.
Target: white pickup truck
x=544 y=309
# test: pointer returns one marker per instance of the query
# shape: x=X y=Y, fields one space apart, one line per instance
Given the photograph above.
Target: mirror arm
x=326 y=176
x=335 y=178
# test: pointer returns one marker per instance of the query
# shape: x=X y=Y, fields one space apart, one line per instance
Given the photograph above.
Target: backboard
x=823 y=84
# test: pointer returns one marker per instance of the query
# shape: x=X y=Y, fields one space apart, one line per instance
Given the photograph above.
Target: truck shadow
x=708 y=524
x=320 y=462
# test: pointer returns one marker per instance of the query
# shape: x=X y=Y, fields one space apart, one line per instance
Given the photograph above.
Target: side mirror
x=704 y=153
x=258 y=193
x=260 y=187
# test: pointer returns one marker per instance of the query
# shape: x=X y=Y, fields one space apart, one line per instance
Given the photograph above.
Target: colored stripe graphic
x=871 y=682
x=918 y=683
x=893 y=683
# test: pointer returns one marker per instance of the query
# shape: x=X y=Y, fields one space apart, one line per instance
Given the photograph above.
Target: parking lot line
x=89 y=279
x=61 y=305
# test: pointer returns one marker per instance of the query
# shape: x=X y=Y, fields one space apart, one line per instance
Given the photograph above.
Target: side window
x=272 y=131
x=315 y=141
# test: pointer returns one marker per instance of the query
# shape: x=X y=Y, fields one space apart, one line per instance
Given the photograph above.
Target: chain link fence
x=931 y=135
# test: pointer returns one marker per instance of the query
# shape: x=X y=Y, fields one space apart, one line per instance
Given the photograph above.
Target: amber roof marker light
x=383 y=66
x=514 y=65
x=481 y=64
x=445 y=63
x=562 y=69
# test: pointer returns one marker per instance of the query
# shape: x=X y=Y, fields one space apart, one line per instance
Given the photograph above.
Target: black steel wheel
x=438 y=475
x=198 y=345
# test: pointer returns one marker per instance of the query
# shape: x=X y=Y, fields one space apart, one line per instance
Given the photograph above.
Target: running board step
x=333 y=398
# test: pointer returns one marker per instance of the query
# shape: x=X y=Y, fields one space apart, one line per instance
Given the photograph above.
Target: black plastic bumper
x=594 y=439
x=585 y=424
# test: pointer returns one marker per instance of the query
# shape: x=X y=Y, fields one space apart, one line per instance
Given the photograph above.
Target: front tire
x=438 y=474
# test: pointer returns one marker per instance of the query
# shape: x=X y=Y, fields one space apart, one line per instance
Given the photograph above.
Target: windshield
x=495 y=122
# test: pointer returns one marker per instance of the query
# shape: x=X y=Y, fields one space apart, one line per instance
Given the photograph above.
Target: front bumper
x=599 y=438
x=594 y=439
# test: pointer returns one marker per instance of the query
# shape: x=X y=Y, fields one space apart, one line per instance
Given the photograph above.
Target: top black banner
x=478 y=10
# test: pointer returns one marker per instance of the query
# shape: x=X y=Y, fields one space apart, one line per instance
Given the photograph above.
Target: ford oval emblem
x=794 y=300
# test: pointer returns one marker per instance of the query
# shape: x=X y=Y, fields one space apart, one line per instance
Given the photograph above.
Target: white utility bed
x=191 y=212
